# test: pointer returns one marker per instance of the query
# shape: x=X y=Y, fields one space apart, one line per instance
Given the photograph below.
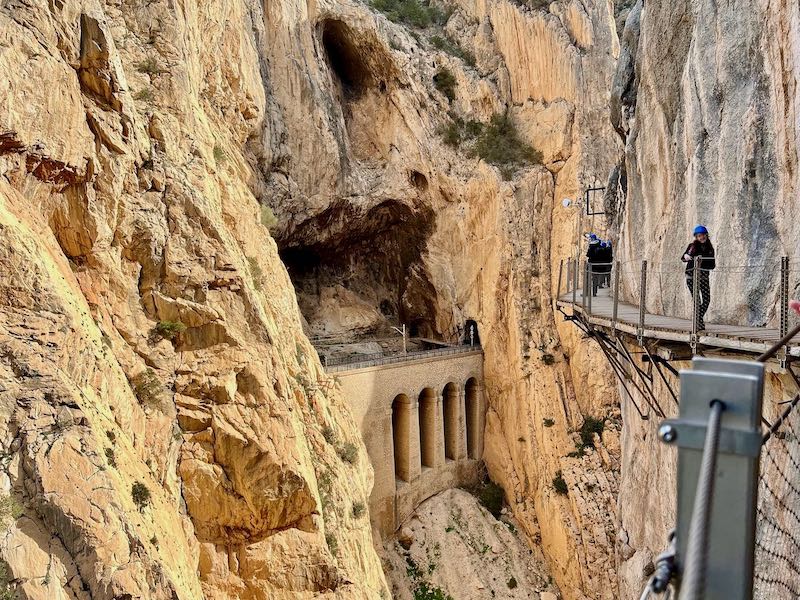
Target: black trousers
x=703 y=292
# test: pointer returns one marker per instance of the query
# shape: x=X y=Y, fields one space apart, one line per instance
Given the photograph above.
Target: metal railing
x=348 y=363
x=755 y=295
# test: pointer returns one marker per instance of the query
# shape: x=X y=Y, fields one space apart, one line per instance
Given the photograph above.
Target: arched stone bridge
x=422 y=421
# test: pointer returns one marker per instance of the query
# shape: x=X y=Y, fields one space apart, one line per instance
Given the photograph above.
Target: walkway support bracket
x=732 y=518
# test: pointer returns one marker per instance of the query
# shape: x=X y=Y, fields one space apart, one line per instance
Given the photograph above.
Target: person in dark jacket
x=594 y=256
x=606 y=258
x=700 y=248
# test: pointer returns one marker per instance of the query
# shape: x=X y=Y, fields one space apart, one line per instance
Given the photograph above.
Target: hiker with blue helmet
x=700 y=247
x=607 y=257
x=594 y=256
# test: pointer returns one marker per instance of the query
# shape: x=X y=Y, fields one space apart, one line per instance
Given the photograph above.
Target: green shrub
x=150 y=66
x=559 y=484
x=9 y=508
x=111 y=457
x=348 y=452
x=511 y=583
x=7 y=590
x=112 y=437
x=427 y=591
x=219 y=154
x=457 y=131
x=491 y=496
x=445 y=82
x=359 y=509
x=154 y=541
x=590 y=426
x=255 y=272
x=169 y=330
x=145 y=95
x=412 y=13
x=140 y=495
x=453 y=49
x=268 y=218
x=333 y=544
x=500 y=145
x=147 y=388
x=548 y=359
x=548 y=422
x=329 y=434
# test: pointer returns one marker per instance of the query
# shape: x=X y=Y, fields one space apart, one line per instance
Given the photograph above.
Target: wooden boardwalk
x=674 y=329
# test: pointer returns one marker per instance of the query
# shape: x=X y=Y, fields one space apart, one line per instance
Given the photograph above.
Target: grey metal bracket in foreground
x=739 y=385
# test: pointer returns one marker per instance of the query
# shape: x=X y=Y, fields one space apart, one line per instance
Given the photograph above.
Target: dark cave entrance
x=346 y=59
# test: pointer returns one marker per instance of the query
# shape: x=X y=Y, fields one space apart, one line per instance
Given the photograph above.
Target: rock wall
x=151 y=335
x=708 y=115
x=162 y=411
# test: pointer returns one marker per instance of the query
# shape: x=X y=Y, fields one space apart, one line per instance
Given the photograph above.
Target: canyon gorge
x=208 y=208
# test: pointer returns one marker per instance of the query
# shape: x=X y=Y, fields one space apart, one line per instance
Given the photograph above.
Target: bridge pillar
x=431 y=428
x=406 y=431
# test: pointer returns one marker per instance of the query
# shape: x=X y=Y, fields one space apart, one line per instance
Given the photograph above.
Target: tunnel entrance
x=471 y=336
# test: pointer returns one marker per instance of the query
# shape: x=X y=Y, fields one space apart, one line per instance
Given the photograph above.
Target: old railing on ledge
x=644 y=284
x=349 y=363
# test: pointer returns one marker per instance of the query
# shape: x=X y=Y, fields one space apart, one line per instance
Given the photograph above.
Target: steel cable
x=697 y=548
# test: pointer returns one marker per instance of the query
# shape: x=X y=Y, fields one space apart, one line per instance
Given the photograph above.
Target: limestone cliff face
x=151 y=336
x=709 y=119
x=381 y=221
x=162 y=412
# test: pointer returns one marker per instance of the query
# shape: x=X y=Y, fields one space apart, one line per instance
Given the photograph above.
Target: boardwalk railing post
x=695 y=303
x=585 y=285
x=575 y=268
x=784 y=325
x=591 y=288
x=642 y=296
x=560 y=273
x=616 y=296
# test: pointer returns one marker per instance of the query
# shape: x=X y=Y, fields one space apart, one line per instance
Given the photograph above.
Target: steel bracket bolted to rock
x=727 y=548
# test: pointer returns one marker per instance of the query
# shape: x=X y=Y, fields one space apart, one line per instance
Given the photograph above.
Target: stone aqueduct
x=422 y=421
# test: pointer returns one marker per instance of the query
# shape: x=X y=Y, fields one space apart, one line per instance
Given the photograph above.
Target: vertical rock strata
x=705 y=100
x=166 y=425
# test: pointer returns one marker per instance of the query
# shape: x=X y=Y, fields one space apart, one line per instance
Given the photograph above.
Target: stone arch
x=401 y=434
x=473 y=402
x=427 y=427
x=452 y=429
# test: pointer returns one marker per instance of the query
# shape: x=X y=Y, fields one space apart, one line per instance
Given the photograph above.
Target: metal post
x=560 y=272
x=784 y=324
x=592 y=275
x=583 y=292
x=616 y=296
x=695 y=302
x=709 y=387
x=575 y=283
x=642 y=296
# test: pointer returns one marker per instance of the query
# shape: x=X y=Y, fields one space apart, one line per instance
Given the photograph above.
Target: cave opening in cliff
x=345 y=58
x=358 y=273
